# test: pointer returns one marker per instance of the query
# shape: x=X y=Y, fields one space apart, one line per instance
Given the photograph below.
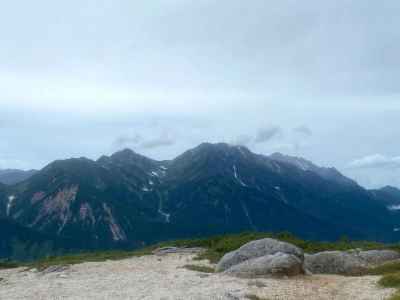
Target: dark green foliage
x=80 y=258
x=388 y=268
x=390 y=276
x=19 y=243
x=390 y=280
x=8 y=265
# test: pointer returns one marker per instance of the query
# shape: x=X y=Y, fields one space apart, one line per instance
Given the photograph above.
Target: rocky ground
x=164 y=277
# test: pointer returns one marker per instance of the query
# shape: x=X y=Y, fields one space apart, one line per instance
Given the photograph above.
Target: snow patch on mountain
x=235 y=174
x=167 y=216
x=394 y=207
x=9 y=204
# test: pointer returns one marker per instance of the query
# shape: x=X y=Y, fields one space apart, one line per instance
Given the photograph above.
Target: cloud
x=266 y=134
x=242 y=140
x=162 y=141
x=138 y=141
x=303 y=130
x=123 y=141
x=376 y=161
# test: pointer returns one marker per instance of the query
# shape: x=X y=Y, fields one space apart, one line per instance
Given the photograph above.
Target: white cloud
x=303 y=130
x=376 y=161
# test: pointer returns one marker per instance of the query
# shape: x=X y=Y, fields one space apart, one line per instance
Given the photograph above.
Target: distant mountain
x=128 y=200
x=327 y=173
x=12 y=176
x=389 y=196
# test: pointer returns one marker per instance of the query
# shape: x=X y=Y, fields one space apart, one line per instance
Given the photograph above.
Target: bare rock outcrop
x=335 y=262
x=256 y=249
x=378 y=257
x=353 y=262
x=278 y=264
x=269 y=257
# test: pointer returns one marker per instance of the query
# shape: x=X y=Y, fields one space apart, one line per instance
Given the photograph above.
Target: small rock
x=54 y=269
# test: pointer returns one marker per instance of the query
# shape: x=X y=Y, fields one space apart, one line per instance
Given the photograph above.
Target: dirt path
x=153 y=277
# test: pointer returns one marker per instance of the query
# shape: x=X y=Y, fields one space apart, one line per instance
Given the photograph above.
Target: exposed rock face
x=377 y=257
x=347 y=263
x=257 y=249
x=278 y=264
x=335 y=262
x=269 y=257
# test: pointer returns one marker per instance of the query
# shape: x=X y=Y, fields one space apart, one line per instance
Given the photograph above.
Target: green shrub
x=390 y=280
x=202 y=269
x=8 y=265
x=387 y=268
x=395 y=296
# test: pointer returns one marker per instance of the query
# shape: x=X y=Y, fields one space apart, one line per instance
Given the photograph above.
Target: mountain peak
x=299 y=162
x=390 y=189
x=222 y=148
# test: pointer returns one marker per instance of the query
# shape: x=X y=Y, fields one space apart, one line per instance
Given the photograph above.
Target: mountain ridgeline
x=127 y=200
x=13 y=176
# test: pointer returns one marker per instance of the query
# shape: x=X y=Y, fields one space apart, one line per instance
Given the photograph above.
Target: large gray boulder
x=378 y=257
x=353 y=262
x=278 y=264
x=335 y=262
x=256 y=249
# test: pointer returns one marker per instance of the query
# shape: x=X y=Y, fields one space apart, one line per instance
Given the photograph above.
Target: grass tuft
x=390 y=280
x=395 y=296
x=86 y=257
x=9 y=265
x=202 y=269
x=388 y=268
x=254 y=297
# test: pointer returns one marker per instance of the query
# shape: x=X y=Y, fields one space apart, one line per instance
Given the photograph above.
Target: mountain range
x=13 y=176
x=127 y=200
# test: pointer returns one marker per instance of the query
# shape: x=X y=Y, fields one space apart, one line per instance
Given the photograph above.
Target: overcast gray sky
x=318 y=79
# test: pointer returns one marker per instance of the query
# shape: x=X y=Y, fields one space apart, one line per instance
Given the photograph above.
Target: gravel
x=155 y=277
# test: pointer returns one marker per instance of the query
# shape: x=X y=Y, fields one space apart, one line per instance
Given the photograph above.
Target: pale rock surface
x=335 y=262
x=257 y=249
x=353 y=262
x=278 y=264
x=377 y=257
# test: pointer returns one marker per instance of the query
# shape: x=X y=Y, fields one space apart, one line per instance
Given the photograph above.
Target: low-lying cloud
x=124 y=141
x=162 y=141
x=303 y=130
x=138 y=141
x=376 y=161
x=242 y=140
x=266 y=134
